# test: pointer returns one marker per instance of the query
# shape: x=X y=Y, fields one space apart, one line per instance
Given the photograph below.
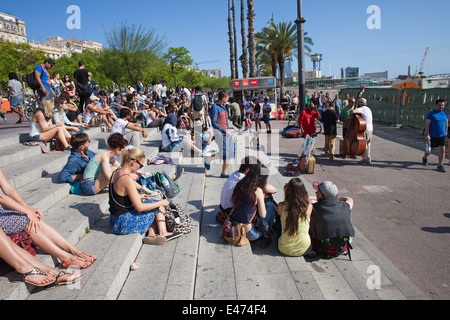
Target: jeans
x=43 y=96
x=255 y=234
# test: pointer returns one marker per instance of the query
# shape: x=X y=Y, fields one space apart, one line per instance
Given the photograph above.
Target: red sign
x=237 y=83
x=245 y=83
x=254 y=82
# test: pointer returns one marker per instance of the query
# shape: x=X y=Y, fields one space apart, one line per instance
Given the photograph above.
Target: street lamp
x=300 y=21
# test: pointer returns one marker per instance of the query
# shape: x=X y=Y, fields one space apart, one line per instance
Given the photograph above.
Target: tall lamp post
x=301 y=55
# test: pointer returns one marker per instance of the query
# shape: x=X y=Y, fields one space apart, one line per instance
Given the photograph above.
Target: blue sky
x=338 y=28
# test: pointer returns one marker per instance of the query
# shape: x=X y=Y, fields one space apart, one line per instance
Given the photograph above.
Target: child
x=248 y=123
x=267 y=109
x=295 y=213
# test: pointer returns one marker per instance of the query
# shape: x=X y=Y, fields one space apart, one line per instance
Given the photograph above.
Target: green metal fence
x=403 y=107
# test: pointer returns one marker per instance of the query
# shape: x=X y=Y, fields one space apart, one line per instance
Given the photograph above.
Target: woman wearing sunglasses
x=132 y=212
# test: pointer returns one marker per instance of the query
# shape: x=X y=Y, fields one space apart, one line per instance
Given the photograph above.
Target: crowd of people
x=304 y=225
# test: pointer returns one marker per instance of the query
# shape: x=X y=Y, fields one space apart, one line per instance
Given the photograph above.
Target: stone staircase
x=197 y=266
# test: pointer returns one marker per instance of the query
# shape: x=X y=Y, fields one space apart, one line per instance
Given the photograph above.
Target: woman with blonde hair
x=295 y=213
x=132 y=212
x=42 y=127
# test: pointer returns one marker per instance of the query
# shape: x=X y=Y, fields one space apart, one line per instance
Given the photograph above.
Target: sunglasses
x=140 y=164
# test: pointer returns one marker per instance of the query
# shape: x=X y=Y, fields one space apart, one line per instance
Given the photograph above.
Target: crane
x=420 y=73
x=207 y=62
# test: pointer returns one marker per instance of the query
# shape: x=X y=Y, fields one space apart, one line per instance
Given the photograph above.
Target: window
x=1 y=26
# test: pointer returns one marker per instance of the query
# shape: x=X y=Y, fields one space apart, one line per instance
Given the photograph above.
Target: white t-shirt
x=228 y=188
x=366 y=114
x=16 y=87
x=162 y=90
x=119 y=126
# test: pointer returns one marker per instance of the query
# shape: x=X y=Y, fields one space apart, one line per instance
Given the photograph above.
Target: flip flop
x=19 y=277
x=156 y=241
x=65 y=283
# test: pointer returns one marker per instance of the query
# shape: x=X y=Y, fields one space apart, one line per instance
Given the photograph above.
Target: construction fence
x=400 y=107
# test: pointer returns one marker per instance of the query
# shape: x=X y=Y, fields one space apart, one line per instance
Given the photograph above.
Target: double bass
x=354 y=143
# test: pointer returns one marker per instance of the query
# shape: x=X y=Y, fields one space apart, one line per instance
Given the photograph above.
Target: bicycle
x=293 y=122
x=31 y=107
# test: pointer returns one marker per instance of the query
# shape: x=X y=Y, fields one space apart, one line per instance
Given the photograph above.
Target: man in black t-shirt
x=329 y=120
x=81 y=77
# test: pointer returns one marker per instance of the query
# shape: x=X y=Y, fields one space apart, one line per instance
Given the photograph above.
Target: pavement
x=201 y=267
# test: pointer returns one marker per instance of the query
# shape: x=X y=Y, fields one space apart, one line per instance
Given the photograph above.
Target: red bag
x=23 y=240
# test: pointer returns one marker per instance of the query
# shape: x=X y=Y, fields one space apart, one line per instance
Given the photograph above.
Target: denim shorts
x=17 y=101
x=175 y=146
x=88 y=187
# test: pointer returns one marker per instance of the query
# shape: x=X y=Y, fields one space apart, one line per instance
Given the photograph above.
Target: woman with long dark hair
x=295 y=213
x=249 y=198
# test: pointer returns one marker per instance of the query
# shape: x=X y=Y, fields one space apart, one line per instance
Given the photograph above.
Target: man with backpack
x=42 y=81
x=331 y=228
x=199 y=105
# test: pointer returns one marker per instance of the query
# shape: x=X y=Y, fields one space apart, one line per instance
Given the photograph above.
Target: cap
x=327 y=188
x=50 y=61
x=94 y=98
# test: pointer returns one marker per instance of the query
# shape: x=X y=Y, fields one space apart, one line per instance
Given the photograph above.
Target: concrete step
x=72 y=215
x=24 y=164
x=168 y=272
x=105 y=279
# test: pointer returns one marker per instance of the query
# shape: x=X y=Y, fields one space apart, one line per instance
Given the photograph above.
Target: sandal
x=156 y=241
x=65 y=283
x=67 y=264
x=19 y=277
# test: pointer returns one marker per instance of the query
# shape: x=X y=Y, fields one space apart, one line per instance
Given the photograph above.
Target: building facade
x=12 y=29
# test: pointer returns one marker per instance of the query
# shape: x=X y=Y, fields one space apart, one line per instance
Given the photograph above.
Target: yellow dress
x=297 y=245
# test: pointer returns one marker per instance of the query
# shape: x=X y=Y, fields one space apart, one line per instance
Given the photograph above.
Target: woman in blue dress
x=132 y=212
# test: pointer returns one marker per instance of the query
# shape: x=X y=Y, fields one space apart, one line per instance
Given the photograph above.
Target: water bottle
x=165 y=182
x=428 y=147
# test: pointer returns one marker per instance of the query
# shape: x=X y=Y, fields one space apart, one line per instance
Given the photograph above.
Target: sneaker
x=441 y=168
x=178 y=174
x=207 y=166
x=4 y=119
x=425 y=161
x=224 y=176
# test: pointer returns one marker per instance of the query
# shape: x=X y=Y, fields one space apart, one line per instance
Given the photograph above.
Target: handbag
x=23 y=240
x=235 y=234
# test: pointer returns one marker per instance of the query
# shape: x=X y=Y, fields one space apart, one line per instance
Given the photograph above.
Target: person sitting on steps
x=99 y=169
x=16 y=216
x=43 y=129
x=132 y=212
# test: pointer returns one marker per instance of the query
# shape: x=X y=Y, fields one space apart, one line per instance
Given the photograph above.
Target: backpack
x=32 y=82
x=166 y=184
x=197 y=104
x=331 y=248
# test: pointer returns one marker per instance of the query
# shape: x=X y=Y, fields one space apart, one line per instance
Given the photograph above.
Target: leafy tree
x=19 y=58
x=177 y=58
x=136 y=47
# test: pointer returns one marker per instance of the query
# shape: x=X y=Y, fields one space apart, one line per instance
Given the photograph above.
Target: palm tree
x=280 y=42
x=243 y=58
x=230 y=40
x=236 y=61
x=251 y=38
